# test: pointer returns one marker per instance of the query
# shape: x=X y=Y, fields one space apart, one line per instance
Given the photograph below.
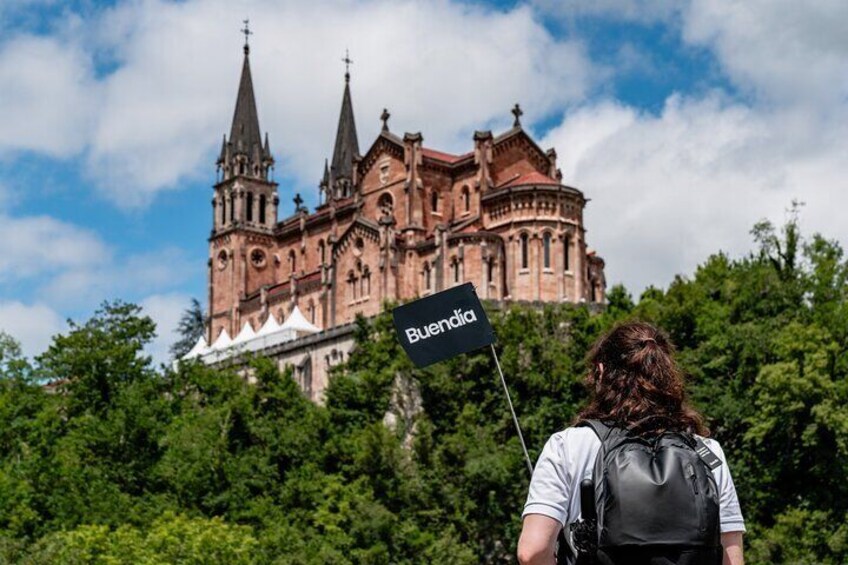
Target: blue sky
x=684 y=122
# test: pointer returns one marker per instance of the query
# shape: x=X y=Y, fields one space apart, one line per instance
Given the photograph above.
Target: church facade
x=397 y=221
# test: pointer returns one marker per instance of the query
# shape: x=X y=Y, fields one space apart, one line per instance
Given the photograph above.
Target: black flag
x=446 y=324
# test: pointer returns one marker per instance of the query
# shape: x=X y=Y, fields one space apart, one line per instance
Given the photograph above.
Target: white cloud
x=47 y=96
x=33 y=325
x=666 y=189
x=669 y=190
x=441 y=67
x=784 y=51
x=166 y=310
x=124 y=278
x=41 y=244
x=64 y=267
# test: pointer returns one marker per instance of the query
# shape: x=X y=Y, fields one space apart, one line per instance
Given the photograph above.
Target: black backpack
x=656 y=500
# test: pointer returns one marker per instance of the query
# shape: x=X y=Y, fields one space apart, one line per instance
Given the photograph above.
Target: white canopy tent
x=245 y=335
x=200 y=348
x=270 y=334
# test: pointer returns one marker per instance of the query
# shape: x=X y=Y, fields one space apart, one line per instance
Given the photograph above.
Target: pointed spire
x=245 y=134
x=223 y=156
x=325 y=182
x=347 y=145
x=267 y=154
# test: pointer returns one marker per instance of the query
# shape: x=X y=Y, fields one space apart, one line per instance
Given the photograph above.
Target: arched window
x=566 y=254
x=365 y=283
x=546 y=245
x=455 y=267
x=427 y=282
x=351 y=285
x=385 y=203
x=292 y=261
x=262 y=209
x=322 y=251
x=232 y=207
x=311 y=311
x=434 y=201
x=466 y=199
x=249 y=214
x=525 y=252
x=490 y=270
x=223 y=210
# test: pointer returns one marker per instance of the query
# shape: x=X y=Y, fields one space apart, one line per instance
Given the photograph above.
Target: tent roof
x=223 y=340
x=298 y=322
x=199 y=349
x=270 y=326
x=245 y=334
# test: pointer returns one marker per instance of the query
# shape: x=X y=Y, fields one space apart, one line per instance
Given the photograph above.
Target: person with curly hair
x=636 y=391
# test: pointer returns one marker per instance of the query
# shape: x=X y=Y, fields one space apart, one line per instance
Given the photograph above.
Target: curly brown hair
x=635 y=382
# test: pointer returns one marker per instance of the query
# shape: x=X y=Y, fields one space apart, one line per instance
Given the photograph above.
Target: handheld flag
x=443 y=325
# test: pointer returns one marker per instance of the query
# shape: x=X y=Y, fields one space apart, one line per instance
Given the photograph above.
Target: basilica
x=396 y=221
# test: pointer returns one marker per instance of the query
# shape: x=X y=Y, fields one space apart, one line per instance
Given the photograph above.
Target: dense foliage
x=121 y=463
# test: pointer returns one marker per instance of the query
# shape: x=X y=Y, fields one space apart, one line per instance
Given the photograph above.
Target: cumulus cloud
x=70 y=270
x=43 y=244
x=48 y=96
x=669 y=190
x=33 y=325
x=166 y=310
x=783 y=51
x=125 y=278
x=444 y=68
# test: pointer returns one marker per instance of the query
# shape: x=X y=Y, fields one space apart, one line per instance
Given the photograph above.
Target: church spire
x=244 y=153
x=347 y=146
x=244 y=133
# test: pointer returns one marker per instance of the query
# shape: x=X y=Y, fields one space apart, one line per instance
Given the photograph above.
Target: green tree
x=191 y=327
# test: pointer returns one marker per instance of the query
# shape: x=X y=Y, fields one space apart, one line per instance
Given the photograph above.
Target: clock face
x=257 y=258
x=222 y=260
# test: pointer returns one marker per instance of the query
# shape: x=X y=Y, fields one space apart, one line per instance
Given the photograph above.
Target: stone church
x=397 y=221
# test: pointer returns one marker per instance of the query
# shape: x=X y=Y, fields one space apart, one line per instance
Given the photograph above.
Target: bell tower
x=244 y=211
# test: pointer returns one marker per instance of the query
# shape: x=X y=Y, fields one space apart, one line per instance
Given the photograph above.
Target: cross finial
x=297 y=202
x=247 y=33
x=516 y=111
x=348 y=62
x=385 y=119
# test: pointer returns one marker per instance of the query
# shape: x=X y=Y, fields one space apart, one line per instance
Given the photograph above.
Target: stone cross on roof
x=516 y=111
x=384 y=117
x=247 y=33
x=348 y=62
x=298 y=201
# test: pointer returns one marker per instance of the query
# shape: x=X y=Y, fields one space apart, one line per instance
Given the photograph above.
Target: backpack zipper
x=693 y=476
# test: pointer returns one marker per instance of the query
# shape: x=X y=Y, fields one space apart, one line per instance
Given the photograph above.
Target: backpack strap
x=601 y=430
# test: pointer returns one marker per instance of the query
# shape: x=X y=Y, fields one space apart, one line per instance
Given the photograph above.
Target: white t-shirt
x=569 y=457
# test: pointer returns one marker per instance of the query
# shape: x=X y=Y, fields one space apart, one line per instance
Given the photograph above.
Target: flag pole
x=512 y=410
